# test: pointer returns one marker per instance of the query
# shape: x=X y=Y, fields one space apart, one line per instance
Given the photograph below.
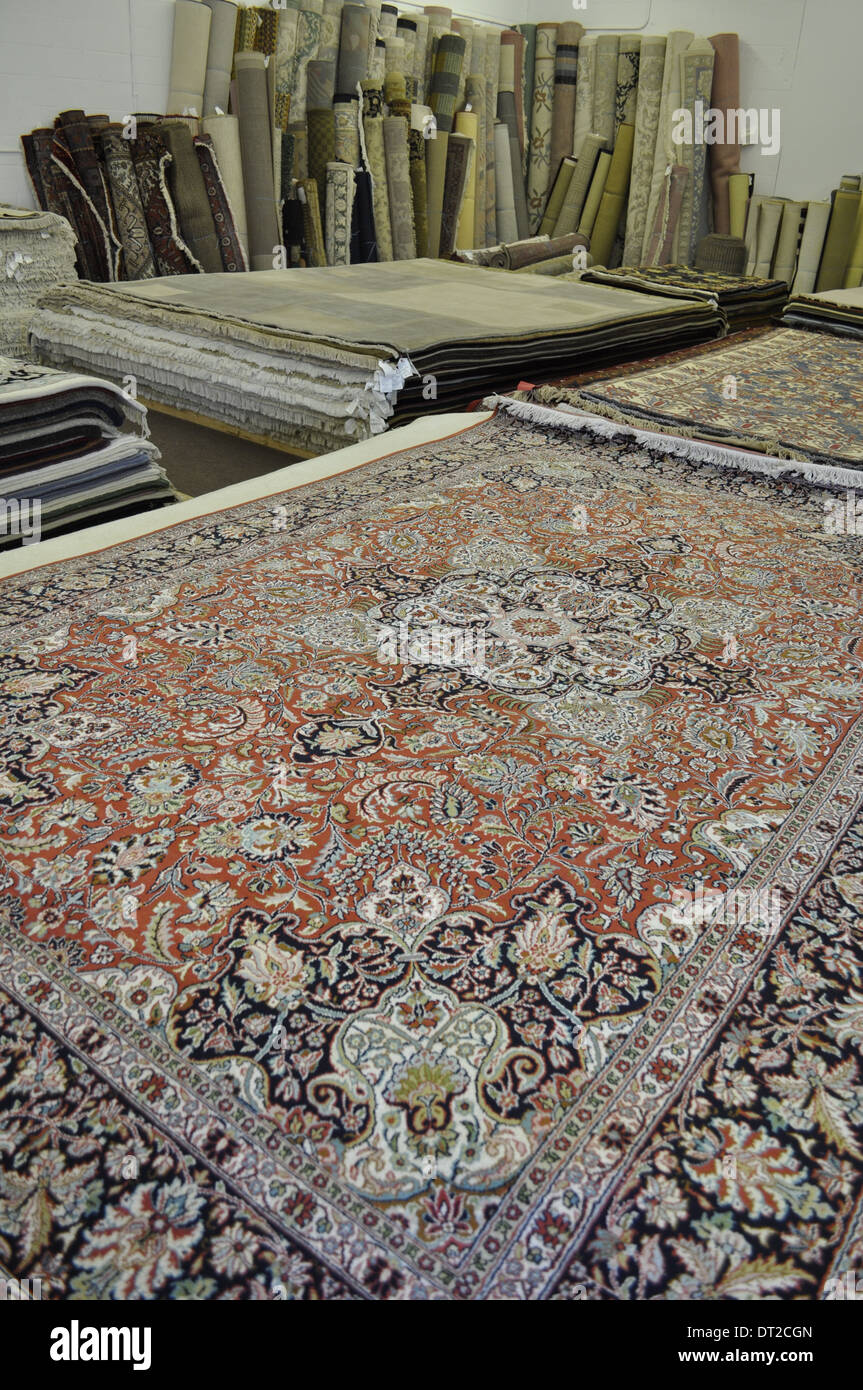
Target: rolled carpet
x=650 y=71
x=594 y=197
x=189 y=193
x=696 y=80
x=373 y=132
x=307 y=191
x=399 y=188
x=507 y=224
x=559 y=190
x=613 y=199
x=320 y=124
x=540 y=171
x=220 y=55
x=467 y=123
x=519 y=254
x=256 y=146
x=605 y=86
x=152 y=157
x=659 y=247
x=840 y=234
x=737 y=191
x=628 y=67
x=230 y=247
x=419 y=187
x=459 y=157
x=785 y=260
x=854 y=272
x=128 y=208
x=665 y=150
x=585 y=88
x=339 y=211
x=724 y=155
x=491 y=70
x=565 y=77
x=346 y=132
x=353 y=48
x=189 y=51
x=579 y=186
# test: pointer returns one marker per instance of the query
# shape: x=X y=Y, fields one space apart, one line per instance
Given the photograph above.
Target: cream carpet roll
x=811 y=247
x=579 y=186
x=399 y=188
x=467 y=123
x=785 y=260
x=584 y=90
x=665 y=151
x=492 y=70
x=854 y=273
x=839 y=242
x=613 y=197
x=224 y=131
x=189 y=50
x=256 y=147
x=605 y=86
x=220 y=55
x=507 y=225
x=286 y=49
x=347 y=132
x=594 y=197
x=770 y=215
x=420 y=91
x=737 y=193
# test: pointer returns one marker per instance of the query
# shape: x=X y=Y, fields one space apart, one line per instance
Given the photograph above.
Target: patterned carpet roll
x=256 y=145
x=220 y=55
x=665 y=151
x=465 y=29
x=565 y=76
x=696 y=81
x=307 y=191
x=458 y=161
x=667 y=215
x=353 y=48
x=364 y=246
x=491 y=70
x=406 y=30
x=399 y=188
x=475 y=99
x=628 y=66
x=347 y=132
x=189 y=57
x=373 y=132
x=540 y=172
x=189 y=192
x=339 y=212
x=151 y=157
x=512 y=41
x=721 y=254
x=296 y=155
x=419 y=187
x=420 y=91
x=286 y=49
x=650 y=70
x=507 y=113
x=230 y=247
x=387 y=22
x=522 y=253
x=308 y=42
x=594 y=198
x=440 y=22
x=605 y=86
x=128 y=208
x=74 y=155
x=528 y=65
x=585 y=89
x=556 y=197
x=322 y=135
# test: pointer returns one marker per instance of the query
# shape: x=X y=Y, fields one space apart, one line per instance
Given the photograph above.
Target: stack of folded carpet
x=314 y=361
x=65 y=459
x=745 y=300
x=37 y=250
x=146 y=198
x=832 y=311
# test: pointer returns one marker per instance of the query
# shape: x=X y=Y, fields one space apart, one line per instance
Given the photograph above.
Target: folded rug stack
x=37 y=250
x=65 y=461
x=744 y=299
x=833 y=311
x=314 y=361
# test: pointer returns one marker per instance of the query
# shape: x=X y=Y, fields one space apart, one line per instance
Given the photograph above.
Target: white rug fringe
x=696 y=450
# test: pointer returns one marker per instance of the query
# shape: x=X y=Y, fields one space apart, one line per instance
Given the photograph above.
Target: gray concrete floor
x=199 y=460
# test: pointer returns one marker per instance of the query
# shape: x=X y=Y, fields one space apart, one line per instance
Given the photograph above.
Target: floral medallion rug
x=441 y=882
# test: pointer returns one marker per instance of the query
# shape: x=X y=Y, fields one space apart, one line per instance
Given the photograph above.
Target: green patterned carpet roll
x=339 y=209
x=445 y=79
x=579 y=186
x=419 y=187
x=399 y=187
x=346 y=134
x=650 y=70
x=613 y=197
x=373 y=131
x=540 y=172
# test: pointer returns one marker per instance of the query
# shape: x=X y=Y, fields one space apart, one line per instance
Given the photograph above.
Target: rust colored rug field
x=330 y=970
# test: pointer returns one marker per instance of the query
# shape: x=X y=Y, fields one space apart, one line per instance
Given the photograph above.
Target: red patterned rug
x=342 y=960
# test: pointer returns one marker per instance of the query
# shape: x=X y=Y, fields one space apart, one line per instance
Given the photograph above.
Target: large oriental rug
x=788 y=393
x=337 y=967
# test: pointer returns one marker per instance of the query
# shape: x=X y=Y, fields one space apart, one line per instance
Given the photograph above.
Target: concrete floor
x=199 y=460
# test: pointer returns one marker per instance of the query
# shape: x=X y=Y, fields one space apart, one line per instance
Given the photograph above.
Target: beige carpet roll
x=811 y=247
x=854 y=273
x=724 y=156
x=584 y=91
x=770 y=216
x=738 y=197
x=189 y=57
x=579 y=186
x=559 y=190
x=505 y=218
x=467 y=123
x=256 y=146
x=840 y=235
x=594 y=197
x=435 y=179
x=399 y=188
x=613 y=197
x=220 y=55
x=785 y=260
x=224 y=131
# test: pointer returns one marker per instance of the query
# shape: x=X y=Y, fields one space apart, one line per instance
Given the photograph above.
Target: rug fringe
x=696 y=450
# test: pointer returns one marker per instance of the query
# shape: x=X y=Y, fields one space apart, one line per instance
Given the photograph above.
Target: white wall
x=798 y=55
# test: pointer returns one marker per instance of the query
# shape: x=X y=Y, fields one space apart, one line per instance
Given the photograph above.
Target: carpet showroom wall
x=114 y=56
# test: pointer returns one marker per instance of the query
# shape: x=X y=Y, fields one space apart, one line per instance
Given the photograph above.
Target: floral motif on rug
x=330 y=976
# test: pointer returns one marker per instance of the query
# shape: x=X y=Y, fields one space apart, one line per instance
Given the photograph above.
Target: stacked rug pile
x=312 y=362
x=833 y=311
x=745 y=300
x=787 y=393
x=347 y=132
x=37 y=250
x=73 y=452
